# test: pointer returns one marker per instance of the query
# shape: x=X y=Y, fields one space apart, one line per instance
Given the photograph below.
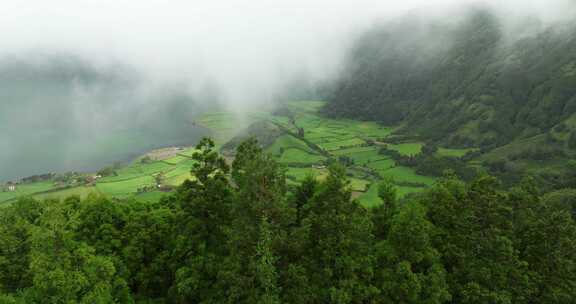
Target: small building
x=11 y=187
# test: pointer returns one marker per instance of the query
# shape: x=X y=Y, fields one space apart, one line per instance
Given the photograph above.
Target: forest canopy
x=238 y=234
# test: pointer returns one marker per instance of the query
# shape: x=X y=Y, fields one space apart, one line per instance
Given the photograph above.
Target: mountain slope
x=469 y=82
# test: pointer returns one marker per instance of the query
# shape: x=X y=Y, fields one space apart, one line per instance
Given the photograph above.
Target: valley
x=296 y=135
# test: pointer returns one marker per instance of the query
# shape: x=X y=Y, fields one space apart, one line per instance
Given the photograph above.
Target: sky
x=246 y=50
x=243 y=46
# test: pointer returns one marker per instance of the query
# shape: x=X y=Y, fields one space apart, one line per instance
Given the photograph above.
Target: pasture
x=323 y=139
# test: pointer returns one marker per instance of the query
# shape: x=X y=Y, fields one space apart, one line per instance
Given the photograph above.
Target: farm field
x=345 y=138
x=81 y=191
x=408 y=149
x=125 y=183
x=308 y=144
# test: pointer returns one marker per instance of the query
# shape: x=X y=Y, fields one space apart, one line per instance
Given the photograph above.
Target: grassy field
x=381 y=165
x=287 y=142
x=293 y=155
x=351 y=139
x=405 y=174
x=453 y=152
x=366 y=158
x=300 y=173
x=81 y=191
x=126 y=187
x=27 y=189
x=322 y=137
x=409 y=149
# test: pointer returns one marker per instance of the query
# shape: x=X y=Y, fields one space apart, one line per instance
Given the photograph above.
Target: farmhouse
x=11 y=187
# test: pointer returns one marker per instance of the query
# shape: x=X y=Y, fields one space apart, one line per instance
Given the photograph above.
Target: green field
x=286 y=142
x=366 y=158
x=300 y=173
x=323 y=138
x=346 y=138
x=81 y=191
x=405 y=174
x=126 y=187
x=339 y=144
x=27 y=189
x=292 y=155
x=409 y=149
x=176 y=159
x=370 y=198
x=382 y=165
x=453 y=152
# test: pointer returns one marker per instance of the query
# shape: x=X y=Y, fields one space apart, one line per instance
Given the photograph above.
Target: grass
x=446 y=152
x=353 y=150
x=80 y=191
x=329 y=134
x=300 y=173
x=336 y=145
x=126 y=187
x=177 y=176
x=366 y=157
x=27 y=189
x=359 y=185
x=176 y=160
x=408 y=149
x=405 y=174
x=156 y=167
x=288 y=141
x=293 y=155
x=306 y=106
x=188 y=152
x=404 y=190
x=370 y=198
x=218 y=121
x=382 y=165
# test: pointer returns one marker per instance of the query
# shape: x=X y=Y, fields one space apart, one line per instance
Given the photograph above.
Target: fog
x=79 y=77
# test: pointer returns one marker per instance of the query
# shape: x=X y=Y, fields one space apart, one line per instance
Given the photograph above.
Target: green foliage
x=461 y=84
x=236 y=235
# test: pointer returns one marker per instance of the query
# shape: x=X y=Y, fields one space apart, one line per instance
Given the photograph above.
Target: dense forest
x=239 y=234
x=470 y=80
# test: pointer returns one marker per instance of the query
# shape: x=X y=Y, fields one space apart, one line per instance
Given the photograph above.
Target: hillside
x=464 y=82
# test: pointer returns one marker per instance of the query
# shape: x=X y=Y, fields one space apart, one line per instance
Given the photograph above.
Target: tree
x=410 y=270
x=203 y=219
x=338 y=248
x=16 y=224
x=260 y=193
x=265 y=269
x=476 y=238
x=382 y=214
x=66 y=270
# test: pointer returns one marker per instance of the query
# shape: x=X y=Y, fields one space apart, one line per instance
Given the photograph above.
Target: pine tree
x=339 y=244
x=410 y=270
x=203 y=221
x=265 y=269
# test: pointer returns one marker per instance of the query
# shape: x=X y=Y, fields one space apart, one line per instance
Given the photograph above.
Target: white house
x=11 y=187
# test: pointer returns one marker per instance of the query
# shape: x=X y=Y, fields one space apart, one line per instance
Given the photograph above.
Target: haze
x=159 y=55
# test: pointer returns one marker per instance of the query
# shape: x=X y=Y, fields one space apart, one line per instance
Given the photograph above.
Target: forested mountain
x=470 y=80
x=235 y=234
